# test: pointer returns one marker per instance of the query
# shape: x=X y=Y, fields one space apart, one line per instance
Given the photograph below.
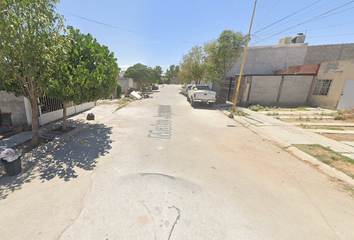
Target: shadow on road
x=203 y=106
x=79 y=151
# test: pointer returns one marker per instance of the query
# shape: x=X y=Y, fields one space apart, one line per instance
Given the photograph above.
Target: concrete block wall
x=278 y=90
x=126 y=83
x=326 y=53
x=295 y=89
x=10 y=103
x=264 y=89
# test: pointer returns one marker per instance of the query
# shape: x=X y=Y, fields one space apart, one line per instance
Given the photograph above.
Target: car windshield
x=202 y=88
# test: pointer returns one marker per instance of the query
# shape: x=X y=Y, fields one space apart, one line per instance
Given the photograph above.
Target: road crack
x=175 y=223
x=153 y=220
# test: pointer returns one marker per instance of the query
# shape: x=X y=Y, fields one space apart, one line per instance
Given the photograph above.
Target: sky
x=159 y=32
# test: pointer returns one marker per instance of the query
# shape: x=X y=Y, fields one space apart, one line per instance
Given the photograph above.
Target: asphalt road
x=161 y=169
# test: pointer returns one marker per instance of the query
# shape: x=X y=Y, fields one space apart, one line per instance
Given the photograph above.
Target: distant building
x=175 y=81
x=121 y=74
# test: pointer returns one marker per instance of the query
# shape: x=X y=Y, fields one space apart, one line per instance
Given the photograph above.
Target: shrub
x=339 y=117
x=119 y=90
x=256 y=108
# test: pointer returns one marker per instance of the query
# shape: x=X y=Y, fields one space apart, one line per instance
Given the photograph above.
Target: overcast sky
x=158 y=32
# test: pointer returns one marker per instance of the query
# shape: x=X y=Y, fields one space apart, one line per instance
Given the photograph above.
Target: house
x=268 y=59
x=328 y=85
x=49 y=109
x=334 y=86
x=294 y=74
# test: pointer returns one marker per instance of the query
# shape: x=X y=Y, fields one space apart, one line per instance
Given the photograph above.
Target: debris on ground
x=90 y=116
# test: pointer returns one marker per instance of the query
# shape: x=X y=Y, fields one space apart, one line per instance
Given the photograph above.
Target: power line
x=267 y=13
x=311 y=29
x=313 y=19
x=303 y=14
x=288 y=16
x=127 y=30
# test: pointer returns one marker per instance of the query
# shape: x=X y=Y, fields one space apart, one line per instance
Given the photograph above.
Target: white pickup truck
x=201 y=94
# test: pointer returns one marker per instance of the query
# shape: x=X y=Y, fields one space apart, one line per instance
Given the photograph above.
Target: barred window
x=322 y=87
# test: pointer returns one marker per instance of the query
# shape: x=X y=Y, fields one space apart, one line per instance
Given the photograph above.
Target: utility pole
x=244 y=58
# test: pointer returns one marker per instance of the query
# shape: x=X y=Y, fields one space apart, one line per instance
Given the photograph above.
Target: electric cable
x=288 y=16
x=314 y=19
x=127 y=30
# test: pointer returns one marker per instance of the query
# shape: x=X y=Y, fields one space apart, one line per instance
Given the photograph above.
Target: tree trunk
x=35 y=133
x=221 y=86
x=64 y=115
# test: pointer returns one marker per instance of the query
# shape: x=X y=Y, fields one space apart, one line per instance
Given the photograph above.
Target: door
x=346 y=101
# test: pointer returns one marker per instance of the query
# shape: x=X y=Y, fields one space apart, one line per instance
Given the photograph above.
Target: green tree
x=157 y=74
x=192 y=65
x=141 y=74
x=172 y=72
x=88 y=74
x=222 y=53
x=30 y=48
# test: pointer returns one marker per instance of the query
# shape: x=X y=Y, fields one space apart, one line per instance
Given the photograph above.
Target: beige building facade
x=334 y=85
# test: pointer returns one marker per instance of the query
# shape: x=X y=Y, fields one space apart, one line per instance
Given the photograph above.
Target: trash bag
x=90 y=116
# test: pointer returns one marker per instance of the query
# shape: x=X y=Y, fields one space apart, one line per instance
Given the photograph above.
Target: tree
x=172 y=72
x=157 y=74
x=222 y=53
x=192 y=65
x=141 y=74
x=88 y=74
x=30 y=48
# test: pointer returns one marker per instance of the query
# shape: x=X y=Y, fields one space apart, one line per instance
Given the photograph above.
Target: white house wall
x=84 y=106
x=56 y=115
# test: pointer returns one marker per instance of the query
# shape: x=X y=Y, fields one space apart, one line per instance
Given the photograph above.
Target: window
x=202 y=88
x=322 y=87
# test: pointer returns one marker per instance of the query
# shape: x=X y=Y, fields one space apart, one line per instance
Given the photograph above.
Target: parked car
x=155 y=87
x=185 y=89
x=201 y=94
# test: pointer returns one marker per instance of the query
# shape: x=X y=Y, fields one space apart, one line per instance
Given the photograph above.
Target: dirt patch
x=60 y=130
x=339 y=137
x=27 y=147
x=330 y=158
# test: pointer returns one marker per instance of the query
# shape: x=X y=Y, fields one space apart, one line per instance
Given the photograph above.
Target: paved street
x=161 y=169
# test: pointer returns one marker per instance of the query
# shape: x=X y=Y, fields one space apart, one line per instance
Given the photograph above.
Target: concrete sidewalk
x=286 y=134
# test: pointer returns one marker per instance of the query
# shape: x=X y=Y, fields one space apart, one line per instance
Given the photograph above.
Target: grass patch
x=238 y=112
x=256 y=108
x=301 y=109
x=348 y=189
x=329 y=157
x=339 y=117
x=123 y=102
x=273 y=114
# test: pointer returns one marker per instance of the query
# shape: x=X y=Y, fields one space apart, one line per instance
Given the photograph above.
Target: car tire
x=192 y=102
x=188 y=99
